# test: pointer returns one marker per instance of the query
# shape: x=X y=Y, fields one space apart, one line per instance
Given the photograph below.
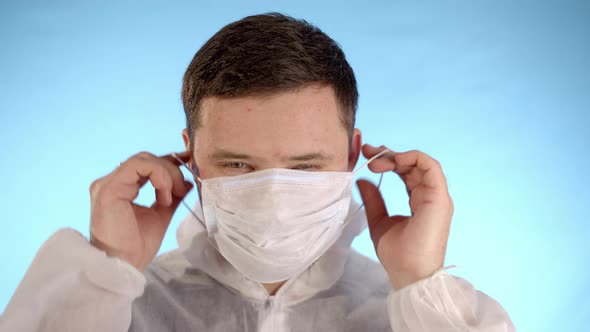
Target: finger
x=164 y=176
x=179 y=188
x=157 y=174
x=184 y=156
x=373 y=201
x=369 y=151
x=166 y=212
x=432 y=175
x=383 y=163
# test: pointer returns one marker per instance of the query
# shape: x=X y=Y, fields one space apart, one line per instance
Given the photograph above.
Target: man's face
x=298 y=130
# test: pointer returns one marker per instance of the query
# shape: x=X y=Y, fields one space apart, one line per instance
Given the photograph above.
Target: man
x=270 y=103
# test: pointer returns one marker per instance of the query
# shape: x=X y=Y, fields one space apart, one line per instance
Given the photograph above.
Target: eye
x=305 y=167
x=236 y=165
x=235 y=168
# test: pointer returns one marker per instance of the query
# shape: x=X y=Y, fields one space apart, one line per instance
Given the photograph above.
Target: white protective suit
x=72 y=286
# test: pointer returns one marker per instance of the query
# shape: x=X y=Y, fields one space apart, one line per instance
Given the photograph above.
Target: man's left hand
x=410 y=248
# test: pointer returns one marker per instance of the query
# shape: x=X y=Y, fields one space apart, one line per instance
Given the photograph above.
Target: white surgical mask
x=271 y=225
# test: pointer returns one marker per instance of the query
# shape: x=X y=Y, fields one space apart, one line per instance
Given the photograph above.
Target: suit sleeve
x=73 y=286
x=446 y=303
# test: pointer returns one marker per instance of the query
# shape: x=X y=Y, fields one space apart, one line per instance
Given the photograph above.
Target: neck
x=273 y=288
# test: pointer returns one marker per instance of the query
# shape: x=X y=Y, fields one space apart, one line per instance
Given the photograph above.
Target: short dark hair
x=266 y=54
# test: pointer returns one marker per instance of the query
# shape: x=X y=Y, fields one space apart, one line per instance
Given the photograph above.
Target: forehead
x=295 y=121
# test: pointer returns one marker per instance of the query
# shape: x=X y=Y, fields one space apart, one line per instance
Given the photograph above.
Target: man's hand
x=127 y=230
x=413 y=247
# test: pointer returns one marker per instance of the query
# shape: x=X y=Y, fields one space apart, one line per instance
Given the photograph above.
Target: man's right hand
x=127 y=230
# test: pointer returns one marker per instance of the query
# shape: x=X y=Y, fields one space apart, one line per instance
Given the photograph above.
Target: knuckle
x=433 y=160
x=143 y=155
x=103 y=187
x=452 y=206
x=94 y=187
x=436 y=163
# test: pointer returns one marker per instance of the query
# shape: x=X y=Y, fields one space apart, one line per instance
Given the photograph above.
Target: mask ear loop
x=198 y=178
x=371 y=159
x=182 y=163
x=380 y=177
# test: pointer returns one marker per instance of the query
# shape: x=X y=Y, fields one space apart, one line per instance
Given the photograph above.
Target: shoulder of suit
x=172 y=265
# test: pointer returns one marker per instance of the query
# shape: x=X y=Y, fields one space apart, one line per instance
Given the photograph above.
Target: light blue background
x=497 y=91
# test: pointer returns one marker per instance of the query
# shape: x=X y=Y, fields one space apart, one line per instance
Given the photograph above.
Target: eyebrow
x=225 y=154
x=318 y=156
x=314 y=156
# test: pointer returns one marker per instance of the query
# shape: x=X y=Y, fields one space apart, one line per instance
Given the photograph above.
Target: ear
x=192 y=162
x=185 y=138
x=356 y=142
x=187 y=143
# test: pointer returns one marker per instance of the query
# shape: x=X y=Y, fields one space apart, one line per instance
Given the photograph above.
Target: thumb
x=373 y=201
